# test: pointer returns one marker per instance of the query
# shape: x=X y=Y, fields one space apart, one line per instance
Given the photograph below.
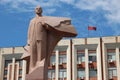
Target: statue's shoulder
x=32 y=20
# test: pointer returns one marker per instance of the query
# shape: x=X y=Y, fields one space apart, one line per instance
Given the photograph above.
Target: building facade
x=75 y=59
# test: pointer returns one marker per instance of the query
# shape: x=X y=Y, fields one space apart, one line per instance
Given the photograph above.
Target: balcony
x=62 y=52
x=51 y=66
x=111 y=63
x=113 y=78
x=62 y=65
x=92 y=64
x=62 y=79
x=81 y=65
x=51 y=78
x=93 y=78
x=81 y=78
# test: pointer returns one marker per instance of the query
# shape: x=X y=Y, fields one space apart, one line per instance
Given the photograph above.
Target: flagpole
x=88 y=30
x=100 y=31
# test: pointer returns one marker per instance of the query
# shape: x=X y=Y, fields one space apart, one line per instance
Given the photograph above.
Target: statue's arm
x=46 y=26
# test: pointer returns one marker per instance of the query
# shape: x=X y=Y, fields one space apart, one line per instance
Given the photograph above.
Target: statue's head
x=38 y=10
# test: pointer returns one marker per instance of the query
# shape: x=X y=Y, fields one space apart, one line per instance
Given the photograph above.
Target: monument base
x=37 y=72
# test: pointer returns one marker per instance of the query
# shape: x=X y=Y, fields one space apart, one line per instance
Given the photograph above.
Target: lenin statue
x=43 y=34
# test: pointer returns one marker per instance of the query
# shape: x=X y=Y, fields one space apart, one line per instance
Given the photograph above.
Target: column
x=99 y=68
x=86 y=65
x=2 y=62
x=118 y=62
x=13 y=68
x=68 y=54
x=24 y=70
x=0 y=65
x=74 y=63
x=57 y=65
x=9 y=70
x=105 y=62
x=16 y=71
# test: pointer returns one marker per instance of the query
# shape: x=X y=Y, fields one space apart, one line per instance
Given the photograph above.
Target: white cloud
x=88 y=5
x=111 y=7
x=49 y=11
x=68 y=1
x=28 y=5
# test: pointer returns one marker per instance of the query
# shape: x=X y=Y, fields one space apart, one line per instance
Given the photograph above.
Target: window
x=111 y=56
x=5 y=72
x=80 y=58
x=19 y=78
x=119 y=55
x=93 y=72
x=92 y=57
x=81 y=73
x=7 y=62
x=52 y=59
x=5 y=78
x=62 y=73
x=51 y=74
x=6 y=68
x=17 y=68
x=112 y=72
x=62 y=59
x=20 y=71
x=20 y=62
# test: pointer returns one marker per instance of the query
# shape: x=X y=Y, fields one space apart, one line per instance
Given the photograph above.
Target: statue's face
x=38 y=10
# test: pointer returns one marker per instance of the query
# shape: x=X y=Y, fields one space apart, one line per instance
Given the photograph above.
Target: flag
x=91 y=28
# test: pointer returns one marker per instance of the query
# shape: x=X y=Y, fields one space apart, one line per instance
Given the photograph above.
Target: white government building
x=95 y=58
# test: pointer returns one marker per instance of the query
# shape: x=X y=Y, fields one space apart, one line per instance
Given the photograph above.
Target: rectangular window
x=20 y=62
x=5 y=72
x=62 y=73
x=119 y=55
x=80 y=58
x=93 y=72
x=112 y=72
x=111 y=56
x=62 y=59
x=51 y=74
x=81 y=73
x=17 y=69
x=20 y=71
x=52 y=60
x=5 y=78
x=92 y=58
x=19 y=78
x=7 y=62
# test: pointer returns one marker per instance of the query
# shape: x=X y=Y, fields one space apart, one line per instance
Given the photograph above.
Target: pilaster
x=57 y=65
x=86 y=64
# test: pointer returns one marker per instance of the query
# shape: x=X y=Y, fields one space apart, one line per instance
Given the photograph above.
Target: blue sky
x=16 y=14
